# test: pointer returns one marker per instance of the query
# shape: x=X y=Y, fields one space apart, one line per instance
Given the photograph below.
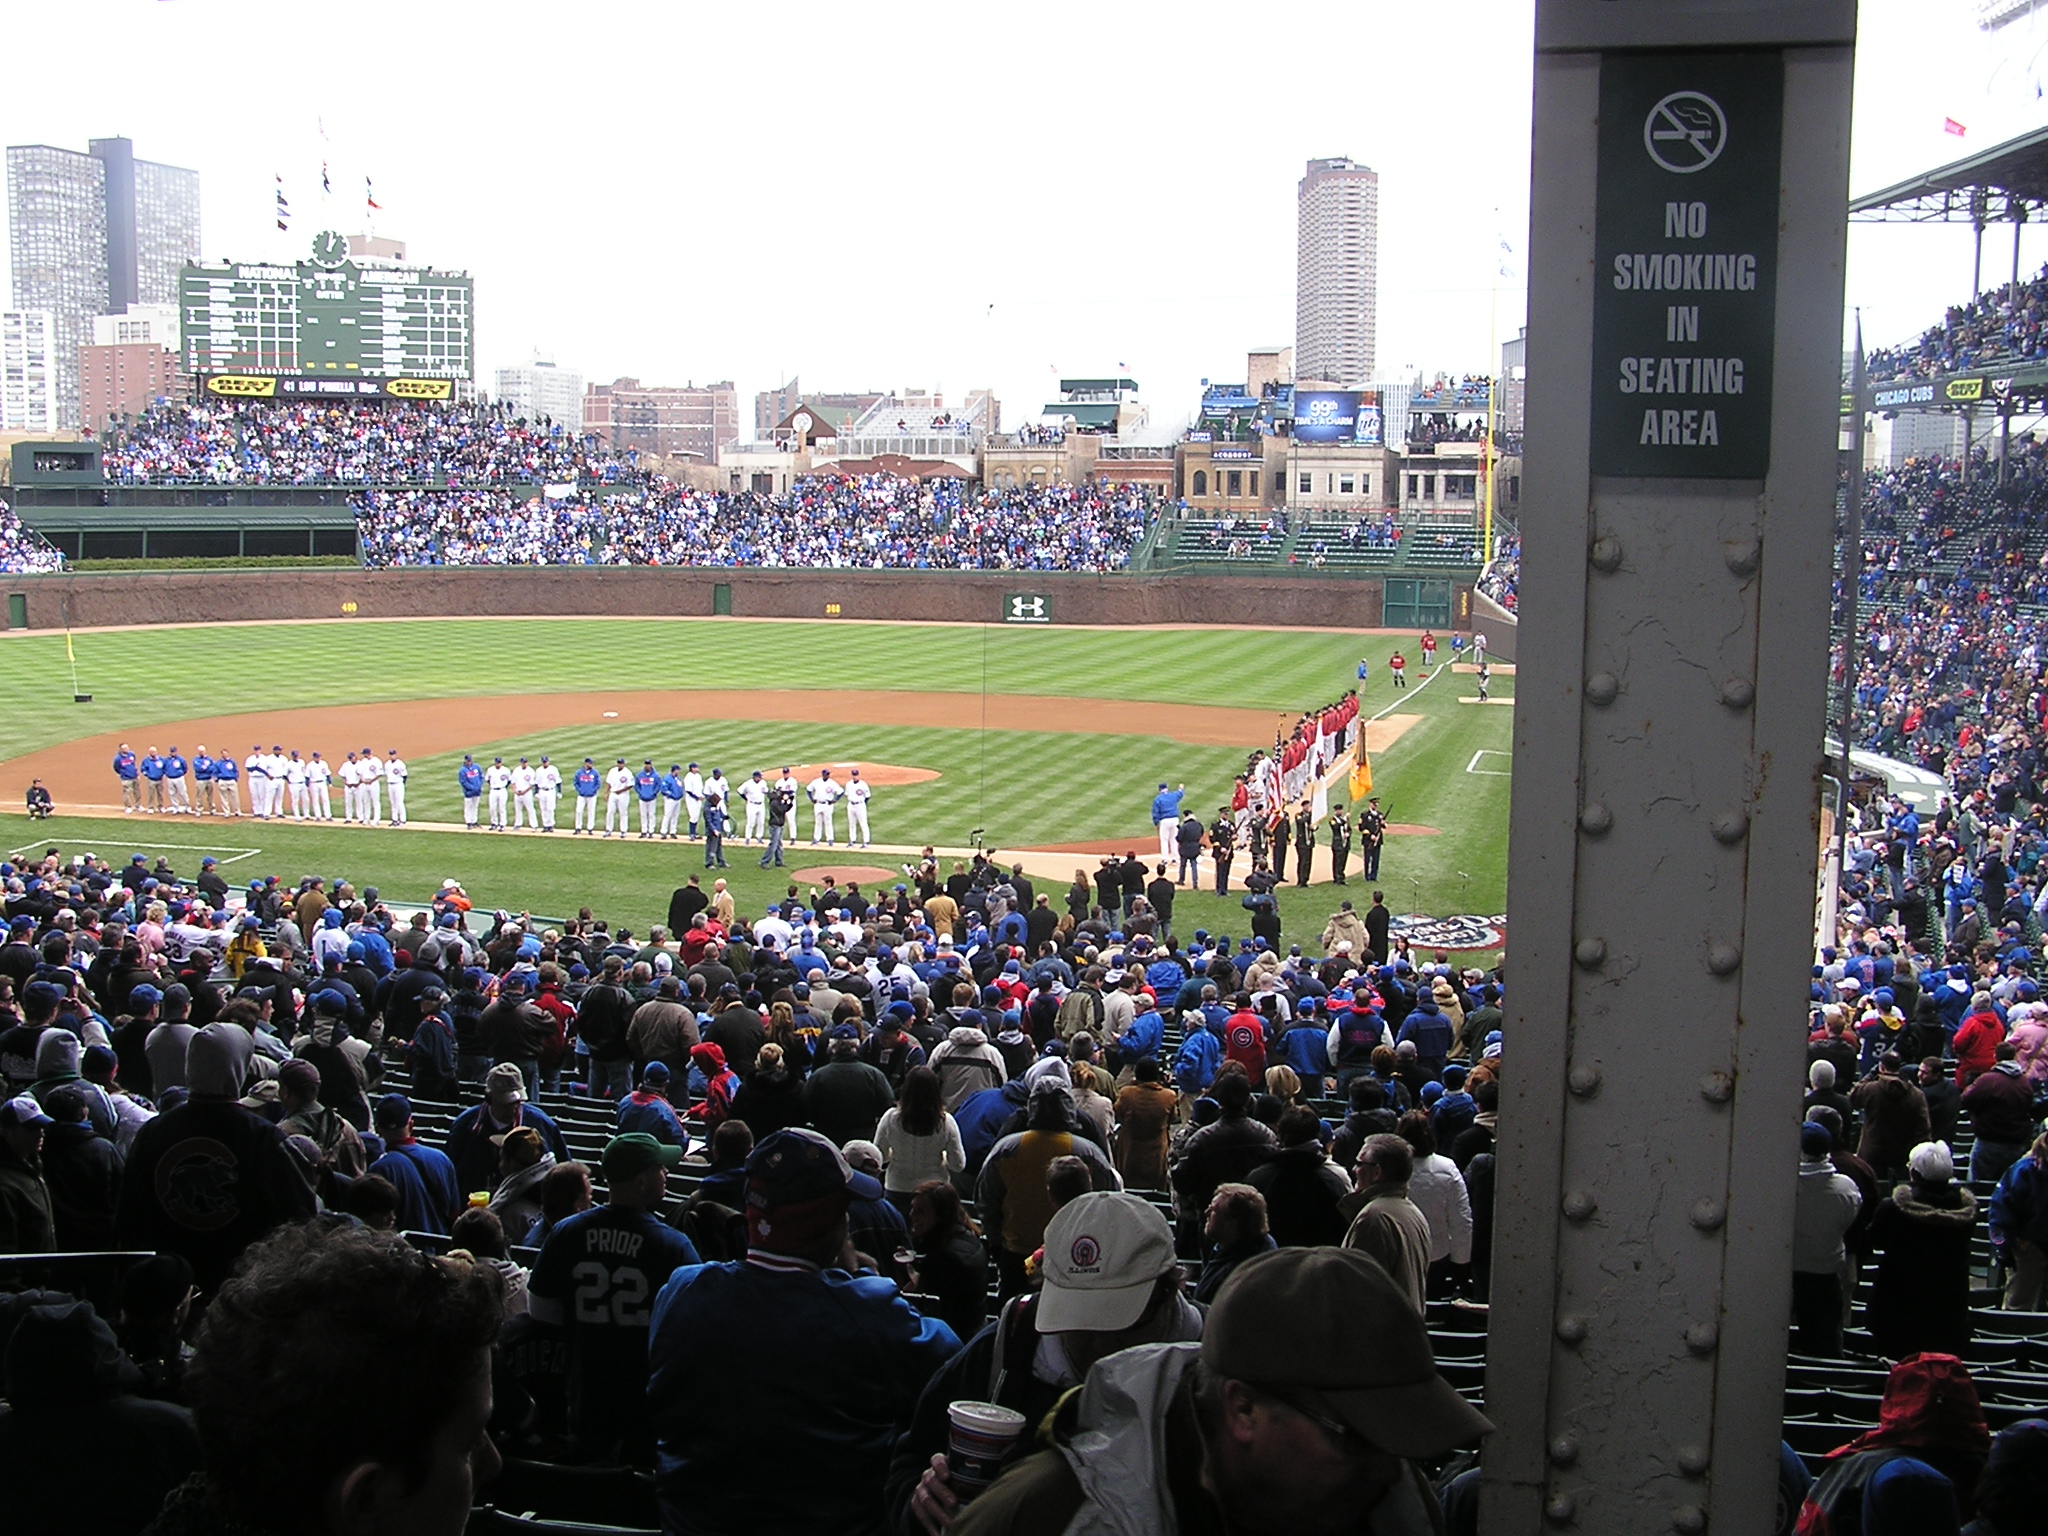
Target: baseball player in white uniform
x=279 y=766
x=547 y=788
x=395 y=773
x=755 y=793
x=372 y=796
x=858 y=792
x=787 y=784
x=618 y=803
x=498 y=781
x=318 y=776
x=824 y=793
x=257 y=769
x=351 y=776
x=523 y=814
x=718 y=792
x=693 y=797
x=295 y=781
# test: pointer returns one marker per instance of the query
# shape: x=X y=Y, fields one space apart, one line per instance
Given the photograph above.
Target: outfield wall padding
x=1499 y=626
x=83 y=601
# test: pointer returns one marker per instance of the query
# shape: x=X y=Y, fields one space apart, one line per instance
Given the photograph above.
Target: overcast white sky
x=878 y=196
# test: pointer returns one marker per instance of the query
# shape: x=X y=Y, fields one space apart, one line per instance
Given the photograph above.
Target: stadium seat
x=603 y=1497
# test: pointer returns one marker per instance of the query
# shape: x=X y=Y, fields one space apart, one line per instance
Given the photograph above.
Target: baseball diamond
x=1051 y=760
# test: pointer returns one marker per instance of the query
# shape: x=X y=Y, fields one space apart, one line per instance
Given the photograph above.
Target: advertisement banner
x=1326 y=416
x=241 y=386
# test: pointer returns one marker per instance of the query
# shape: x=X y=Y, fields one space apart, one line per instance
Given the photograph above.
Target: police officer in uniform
x=1340 y=843
x=1372 y=832
x=1304 y=844
x=1222 y=845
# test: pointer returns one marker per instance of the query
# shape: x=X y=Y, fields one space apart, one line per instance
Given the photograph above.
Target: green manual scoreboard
x=330 y=318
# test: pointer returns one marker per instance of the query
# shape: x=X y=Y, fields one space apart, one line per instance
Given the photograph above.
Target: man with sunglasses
x=1300 y=1413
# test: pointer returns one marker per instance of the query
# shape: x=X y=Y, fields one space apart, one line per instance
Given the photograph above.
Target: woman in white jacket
x=919 y=1139
x=1438 y=1190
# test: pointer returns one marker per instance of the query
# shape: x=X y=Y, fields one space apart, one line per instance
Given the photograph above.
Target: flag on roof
x=1950 y=125
x=284 y=209
x=370 y=195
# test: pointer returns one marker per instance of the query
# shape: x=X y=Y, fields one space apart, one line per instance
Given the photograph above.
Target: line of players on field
x=288 y=786
x=282 y=785
x=681 y=803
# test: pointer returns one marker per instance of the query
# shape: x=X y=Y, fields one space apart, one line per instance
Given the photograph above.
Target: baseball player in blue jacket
x=586 y=781
x=647 y=785
x=1166 y=819
x=469 y=778
x=671 y=802
x=128 y=769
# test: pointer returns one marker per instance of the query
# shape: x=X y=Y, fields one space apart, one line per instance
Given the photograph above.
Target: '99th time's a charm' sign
x=1686 y=264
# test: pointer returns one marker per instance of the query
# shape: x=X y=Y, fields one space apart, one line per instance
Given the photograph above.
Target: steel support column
x=1669 y=718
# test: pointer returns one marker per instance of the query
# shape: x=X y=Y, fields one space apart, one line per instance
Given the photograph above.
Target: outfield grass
x=1022 y=785
x=140 y=677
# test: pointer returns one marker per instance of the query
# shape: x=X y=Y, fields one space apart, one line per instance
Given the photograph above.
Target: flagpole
x=1492 y=400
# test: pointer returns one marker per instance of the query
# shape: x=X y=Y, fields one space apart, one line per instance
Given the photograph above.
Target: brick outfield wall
x=200 y=597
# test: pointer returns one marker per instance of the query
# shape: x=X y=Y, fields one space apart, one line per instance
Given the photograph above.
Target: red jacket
x=551 y=1002
x=1244 y=1041
x=1976 y=1046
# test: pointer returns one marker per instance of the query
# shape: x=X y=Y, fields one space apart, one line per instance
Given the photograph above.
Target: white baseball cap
x=1104 y=1253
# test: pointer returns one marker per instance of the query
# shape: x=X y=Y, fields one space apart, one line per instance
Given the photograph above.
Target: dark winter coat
x=1920 y=1300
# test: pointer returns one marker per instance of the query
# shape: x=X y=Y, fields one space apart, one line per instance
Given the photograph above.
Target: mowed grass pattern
x=141 y=677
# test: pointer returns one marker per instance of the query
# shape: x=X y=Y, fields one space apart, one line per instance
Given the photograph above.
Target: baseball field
x=1043 y=744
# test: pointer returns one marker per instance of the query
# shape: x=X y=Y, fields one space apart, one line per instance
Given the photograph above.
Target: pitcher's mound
x=870 y=875
x=874 y=773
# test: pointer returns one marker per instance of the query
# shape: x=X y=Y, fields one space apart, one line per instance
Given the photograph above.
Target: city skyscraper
x=92 y=233
x=28 y=402
x=541 y=389
x=1336 y=285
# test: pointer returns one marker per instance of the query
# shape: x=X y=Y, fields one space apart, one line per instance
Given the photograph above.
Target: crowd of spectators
x=1998 y=327
x=461 y=484
x=1500 y=579
x=320 y=442
x=23 y=551
x=1442 y=428
x=1950 y=623
x=871 y=522
x=1274 y=1170
x=891 y=1100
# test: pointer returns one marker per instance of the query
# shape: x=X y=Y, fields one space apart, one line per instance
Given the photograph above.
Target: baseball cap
x=505 y=1081
x=1931 y=1163
x=630 y=1155
x=798 y=1187
x=143 y=996
x=1328 y=1329
x=393 y=1109
x=1104 y=1254
x=22 y=1110
x=655 y=1072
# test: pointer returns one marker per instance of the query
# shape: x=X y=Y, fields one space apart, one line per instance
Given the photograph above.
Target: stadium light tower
x=1689 y=217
